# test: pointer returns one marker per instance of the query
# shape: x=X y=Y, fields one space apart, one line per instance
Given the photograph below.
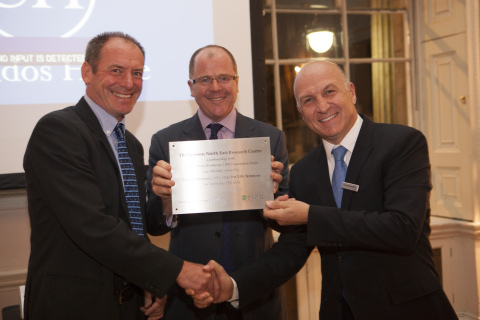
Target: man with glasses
x=200 y=237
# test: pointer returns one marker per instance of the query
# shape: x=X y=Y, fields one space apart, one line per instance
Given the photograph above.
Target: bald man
x=363 y=194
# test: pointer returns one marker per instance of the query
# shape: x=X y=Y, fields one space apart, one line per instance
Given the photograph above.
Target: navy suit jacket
x=375 y=247
x=197 y=237
x=82 y=245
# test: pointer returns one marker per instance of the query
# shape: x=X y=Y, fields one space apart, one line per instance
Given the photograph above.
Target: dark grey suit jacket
x=82 y=245
x=376 y=247
x=197 y=237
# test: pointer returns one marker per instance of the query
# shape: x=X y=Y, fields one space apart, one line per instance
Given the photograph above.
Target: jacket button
x=341 y=258
x=218 y=234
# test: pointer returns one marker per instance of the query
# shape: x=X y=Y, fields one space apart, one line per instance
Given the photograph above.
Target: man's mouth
x=216 y=99
x=121 y=95
x=329 y=118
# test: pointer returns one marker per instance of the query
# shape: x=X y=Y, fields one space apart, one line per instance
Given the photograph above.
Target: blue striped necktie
x=339 y=173
x=226 y=256
x=129 y=181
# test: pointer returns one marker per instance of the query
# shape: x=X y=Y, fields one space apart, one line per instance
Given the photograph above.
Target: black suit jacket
x=197 y=237
x=82 y=245
x=375 y=247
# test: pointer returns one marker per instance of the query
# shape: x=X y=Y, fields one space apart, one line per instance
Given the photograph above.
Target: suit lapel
x=244 y=128
x=322 y=178
x=86 y=114
x=360 y=154
x=90 y=119
x=192 y=129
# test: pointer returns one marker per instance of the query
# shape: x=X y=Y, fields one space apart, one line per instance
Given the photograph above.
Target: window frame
x=259 y=61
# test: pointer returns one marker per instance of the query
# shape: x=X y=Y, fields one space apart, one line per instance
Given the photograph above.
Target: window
x=369 y=39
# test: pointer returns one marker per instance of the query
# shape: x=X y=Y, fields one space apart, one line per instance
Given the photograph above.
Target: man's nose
x=322 y=105
x=127 y=81
x=215 y=85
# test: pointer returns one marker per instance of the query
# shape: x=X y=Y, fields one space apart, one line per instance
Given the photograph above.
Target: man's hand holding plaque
x=162 y=184
x=276 y=174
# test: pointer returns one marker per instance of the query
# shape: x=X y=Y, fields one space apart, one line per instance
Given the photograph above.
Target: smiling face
x=117 y=82
x=215 y=100
x=326 y=103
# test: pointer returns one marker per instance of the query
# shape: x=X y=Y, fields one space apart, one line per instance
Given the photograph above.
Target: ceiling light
x=320 y=41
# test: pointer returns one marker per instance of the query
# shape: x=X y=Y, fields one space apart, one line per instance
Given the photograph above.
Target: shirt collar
x=228 y=122
x=349 y=141
x=107 y=121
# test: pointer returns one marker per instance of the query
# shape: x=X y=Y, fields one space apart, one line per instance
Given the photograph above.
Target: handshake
x=205 y=284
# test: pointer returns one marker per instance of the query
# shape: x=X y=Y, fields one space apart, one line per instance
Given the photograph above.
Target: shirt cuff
x=234 y=299
x=172 y=221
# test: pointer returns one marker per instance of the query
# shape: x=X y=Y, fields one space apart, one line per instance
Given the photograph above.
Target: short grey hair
x=93 y=53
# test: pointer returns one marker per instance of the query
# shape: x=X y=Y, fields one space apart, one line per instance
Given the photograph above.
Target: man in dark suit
x=377 y=261
x=86 y=262
x=199 y=237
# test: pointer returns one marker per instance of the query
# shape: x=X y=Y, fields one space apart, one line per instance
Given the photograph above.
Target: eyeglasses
x=206 y=81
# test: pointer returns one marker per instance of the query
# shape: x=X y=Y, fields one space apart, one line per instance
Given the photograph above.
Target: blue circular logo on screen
x=43 y=18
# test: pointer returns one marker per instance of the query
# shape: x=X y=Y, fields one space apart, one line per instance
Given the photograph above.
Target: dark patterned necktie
x=129 y=181
x=226 y=257
x=339 y=173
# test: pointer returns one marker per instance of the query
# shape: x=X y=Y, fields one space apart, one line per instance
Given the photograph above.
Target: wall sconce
x=320 y=41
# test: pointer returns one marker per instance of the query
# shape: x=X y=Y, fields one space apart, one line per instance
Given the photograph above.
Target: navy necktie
x=339 y=173
x=129 y=181
x=215 y=128
x=226 y=257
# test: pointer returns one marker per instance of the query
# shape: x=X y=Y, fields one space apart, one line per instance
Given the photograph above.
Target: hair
x=346 y=80
x=93 y=53
x=194 y=55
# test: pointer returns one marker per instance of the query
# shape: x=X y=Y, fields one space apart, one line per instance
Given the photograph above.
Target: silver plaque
x=220 y=175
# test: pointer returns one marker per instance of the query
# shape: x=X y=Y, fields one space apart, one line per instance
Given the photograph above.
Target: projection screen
x=42 y=44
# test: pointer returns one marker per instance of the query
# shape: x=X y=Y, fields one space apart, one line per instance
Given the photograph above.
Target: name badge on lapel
x=350 y=186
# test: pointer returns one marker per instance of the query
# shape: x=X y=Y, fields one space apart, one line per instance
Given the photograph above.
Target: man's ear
x=190 y=85
x=351 y=88
x=300 y=111
x=86 y=71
